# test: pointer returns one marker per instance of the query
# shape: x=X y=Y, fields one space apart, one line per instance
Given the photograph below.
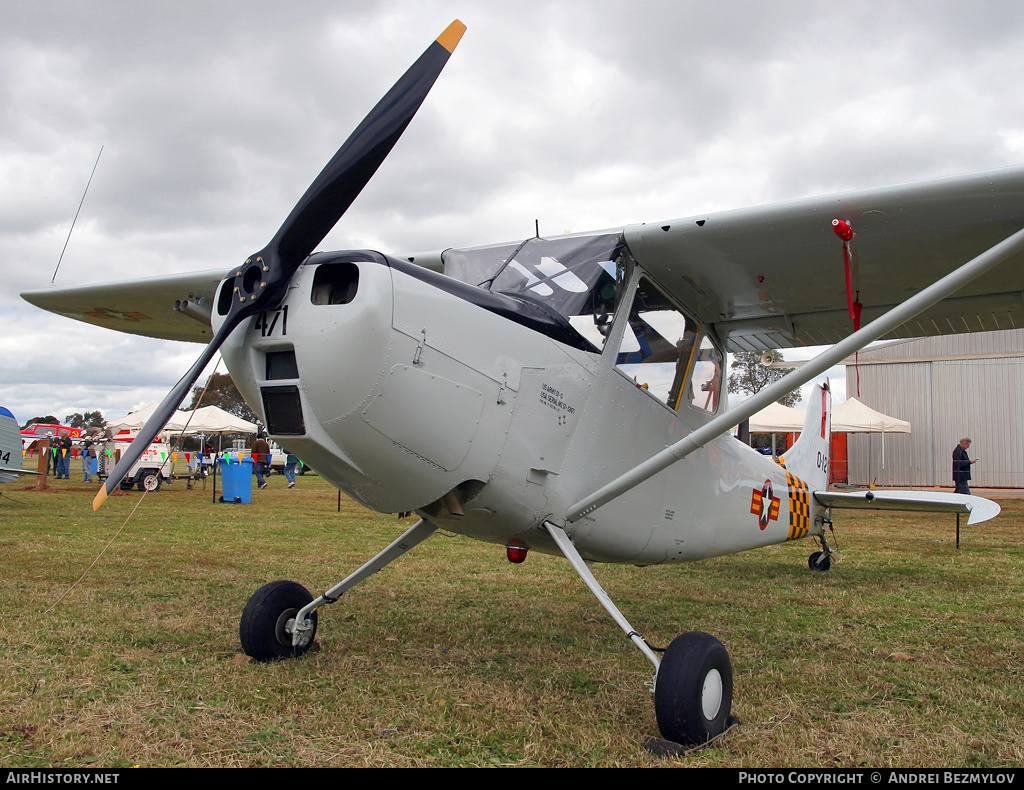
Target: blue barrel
x=236 y=479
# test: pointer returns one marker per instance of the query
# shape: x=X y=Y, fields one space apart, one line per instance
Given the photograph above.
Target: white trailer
x=154 y=466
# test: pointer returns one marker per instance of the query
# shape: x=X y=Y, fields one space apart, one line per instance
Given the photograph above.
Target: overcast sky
x=215 y=116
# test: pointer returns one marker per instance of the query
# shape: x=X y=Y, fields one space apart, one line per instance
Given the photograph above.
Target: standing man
x=64 y=468
x=962 y=466
x=260 y=458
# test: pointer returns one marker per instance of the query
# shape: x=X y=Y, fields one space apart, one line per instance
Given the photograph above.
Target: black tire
x=819 y=561
x=264 y=617
x=149 y=481
x=693 y=691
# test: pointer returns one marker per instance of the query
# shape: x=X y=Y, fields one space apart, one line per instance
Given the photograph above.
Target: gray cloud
x=216 y=116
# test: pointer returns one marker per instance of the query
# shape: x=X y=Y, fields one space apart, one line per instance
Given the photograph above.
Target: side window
x=663 y=351
x=706 y=378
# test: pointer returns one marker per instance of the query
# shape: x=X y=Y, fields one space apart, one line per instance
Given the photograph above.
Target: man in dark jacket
x=261 y=459
x=64 y=459
x=962 y=466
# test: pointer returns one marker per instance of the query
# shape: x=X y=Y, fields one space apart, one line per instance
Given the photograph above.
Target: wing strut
x=569 y=550
x=900 y=314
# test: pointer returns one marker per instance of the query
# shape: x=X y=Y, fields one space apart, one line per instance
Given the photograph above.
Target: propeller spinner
x=261 y=282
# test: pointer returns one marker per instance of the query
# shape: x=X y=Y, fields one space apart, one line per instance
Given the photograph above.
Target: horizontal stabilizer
x=980 y=509
x=9 y=473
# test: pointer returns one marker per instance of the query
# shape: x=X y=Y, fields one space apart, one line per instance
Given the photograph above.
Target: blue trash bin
x=236 y=480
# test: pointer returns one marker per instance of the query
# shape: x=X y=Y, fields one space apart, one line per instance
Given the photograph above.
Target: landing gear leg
x=279 y=621
x=692 y=683
x=822 y=560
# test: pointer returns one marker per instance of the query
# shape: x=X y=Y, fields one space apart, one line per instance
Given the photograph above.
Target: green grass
x=908 y=653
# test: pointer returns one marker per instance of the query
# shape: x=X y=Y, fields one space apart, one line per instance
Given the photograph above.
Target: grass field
x=908 y=653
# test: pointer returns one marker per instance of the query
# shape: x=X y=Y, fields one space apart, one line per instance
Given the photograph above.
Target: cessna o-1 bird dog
x=566 y=395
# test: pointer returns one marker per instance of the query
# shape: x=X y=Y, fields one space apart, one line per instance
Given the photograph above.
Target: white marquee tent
x=776 y=418
x=850 y=416
x=207 y=420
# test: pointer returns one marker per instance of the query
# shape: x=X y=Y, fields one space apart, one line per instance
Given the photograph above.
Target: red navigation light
x=842 y=229
x=516 y=550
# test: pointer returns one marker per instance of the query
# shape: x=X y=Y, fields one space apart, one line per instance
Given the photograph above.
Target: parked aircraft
x=10 y=447
x=566 y=395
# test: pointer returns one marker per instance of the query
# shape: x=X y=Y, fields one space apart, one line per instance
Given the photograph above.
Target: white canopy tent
x=212 y=419
x=852 y=416
x=209 y=419
x=776 y=418
x=135 y=419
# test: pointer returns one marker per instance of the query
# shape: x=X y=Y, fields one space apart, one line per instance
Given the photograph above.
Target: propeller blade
x=158 y=419
x=261 y=282
x=349 y=170
x=266 y=274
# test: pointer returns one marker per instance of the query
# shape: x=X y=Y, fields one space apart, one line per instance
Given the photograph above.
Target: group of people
x=62 y=451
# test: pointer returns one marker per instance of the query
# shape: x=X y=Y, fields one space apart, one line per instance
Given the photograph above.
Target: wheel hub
x=711 y=694
x=285 y=626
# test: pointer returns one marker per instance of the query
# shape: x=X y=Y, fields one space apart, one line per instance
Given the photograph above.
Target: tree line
x=220 y=391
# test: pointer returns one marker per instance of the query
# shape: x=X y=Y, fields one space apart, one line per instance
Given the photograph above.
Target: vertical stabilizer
x=808 y=458
x=10 y=446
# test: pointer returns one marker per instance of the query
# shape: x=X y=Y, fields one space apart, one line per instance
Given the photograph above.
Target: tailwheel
x=268 y=620
x=819 y=561
x=693 y=689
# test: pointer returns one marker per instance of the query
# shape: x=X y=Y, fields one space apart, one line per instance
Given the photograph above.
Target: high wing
x=773 y=276
x=140 y=307
x=765 y=277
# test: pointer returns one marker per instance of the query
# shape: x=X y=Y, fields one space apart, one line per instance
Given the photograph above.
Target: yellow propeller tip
x=451 y=36
x=99 y=499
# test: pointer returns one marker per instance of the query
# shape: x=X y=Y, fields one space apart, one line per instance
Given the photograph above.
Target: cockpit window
x=577 y=277
x=665 y=353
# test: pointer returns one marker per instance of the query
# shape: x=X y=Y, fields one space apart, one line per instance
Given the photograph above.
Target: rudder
x=808 y=458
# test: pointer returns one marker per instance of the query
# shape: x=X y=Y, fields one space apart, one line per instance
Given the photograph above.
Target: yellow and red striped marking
x=799 y=506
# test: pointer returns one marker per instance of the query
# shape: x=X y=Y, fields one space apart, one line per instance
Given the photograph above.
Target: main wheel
x=149 y=481
x=819 y=561
x=262 y=629
x=693 y=690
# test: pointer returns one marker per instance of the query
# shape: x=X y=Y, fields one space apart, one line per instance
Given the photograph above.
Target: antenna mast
x=76 y=215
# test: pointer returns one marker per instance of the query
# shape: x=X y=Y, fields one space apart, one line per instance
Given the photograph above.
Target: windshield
x=578 y=277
